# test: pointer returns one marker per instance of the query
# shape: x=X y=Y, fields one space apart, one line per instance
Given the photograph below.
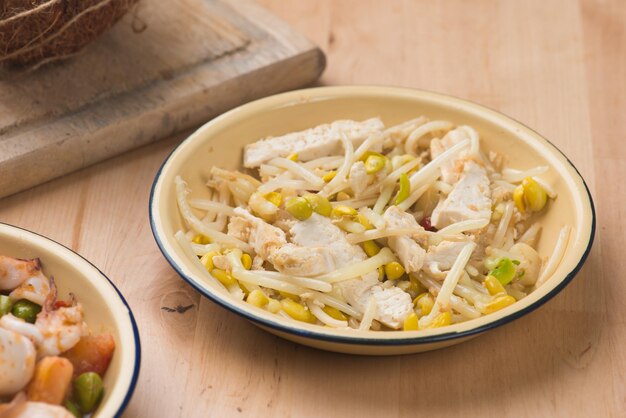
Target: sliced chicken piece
x=469 y=199
x=441 y=257
x=302 y=261
x=408 y=250
x=320 y=141
x=451 y=170
x=359 y=179
x=263 y=237
x=318 y=232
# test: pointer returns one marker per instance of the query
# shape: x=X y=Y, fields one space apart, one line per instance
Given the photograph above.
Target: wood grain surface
x=167 y=66
x=556 y=65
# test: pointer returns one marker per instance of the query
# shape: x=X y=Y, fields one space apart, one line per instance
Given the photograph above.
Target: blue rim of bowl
x=351 y=340
x=133 y=382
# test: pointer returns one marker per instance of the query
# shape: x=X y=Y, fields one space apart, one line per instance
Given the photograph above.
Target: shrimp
x=25 y=278
x=56 y=330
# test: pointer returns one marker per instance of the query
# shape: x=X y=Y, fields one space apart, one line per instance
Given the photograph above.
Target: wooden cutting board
x=167 y=66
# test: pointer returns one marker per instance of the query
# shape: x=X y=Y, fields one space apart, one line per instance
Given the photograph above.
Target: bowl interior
x=105 y=311
x=220 y=143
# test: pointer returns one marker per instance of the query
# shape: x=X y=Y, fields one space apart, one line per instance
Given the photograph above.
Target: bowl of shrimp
x=372 y=220
x=69 y=345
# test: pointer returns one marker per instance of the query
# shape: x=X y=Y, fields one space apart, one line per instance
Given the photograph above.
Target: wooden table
x=557 y=65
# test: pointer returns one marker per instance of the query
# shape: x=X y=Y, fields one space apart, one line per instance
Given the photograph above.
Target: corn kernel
x=257 y=298
x=201 y=239
x=342 y=196
x=370 y=248
x=293 y=157
x=493 y=285
x=274 y=306
x=274 y=197
x=394 y=270
x=329 y=176
x=424 y=302
x=334 y=313
x=500 y=302
x=340 y=211
x=207 y=260
x=246 y=260
x=223 y=276
x=411 y=322
x=297 y=311
x=441 y=320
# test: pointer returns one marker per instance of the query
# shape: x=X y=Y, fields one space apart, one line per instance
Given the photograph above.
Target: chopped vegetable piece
x=51 y=381
x=405 y=189
x=92 y=353
x=88 y=391
x=518 y=198
x=504 y=271
x=293 y=157
x=5 y=305
x=319 y=204
x=360 y=218
x=26 y=310
x=411 y=322
x=375 y=163
x=299 y=208
x=394 y=270
x=73 y=408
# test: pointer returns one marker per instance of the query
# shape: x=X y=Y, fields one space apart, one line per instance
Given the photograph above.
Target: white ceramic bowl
x=105 y=308
x=220 y=142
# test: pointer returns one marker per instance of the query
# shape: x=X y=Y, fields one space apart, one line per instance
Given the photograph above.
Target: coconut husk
x=33 y=32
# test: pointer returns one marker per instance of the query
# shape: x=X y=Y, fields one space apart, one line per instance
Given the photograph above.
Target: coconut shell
x=37 y=31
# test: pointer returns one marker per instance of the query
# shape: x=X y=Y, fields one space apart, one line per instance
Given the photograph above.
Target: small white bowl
x=105 y=308
x=220 y=142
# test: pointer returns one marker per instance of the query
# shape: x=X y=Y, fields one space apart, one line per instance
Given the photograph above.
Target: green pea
x=88 y=391
x=73 y=408
x=504 y=271
x=26 y=310
x=5 y=305
x=299 y=208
